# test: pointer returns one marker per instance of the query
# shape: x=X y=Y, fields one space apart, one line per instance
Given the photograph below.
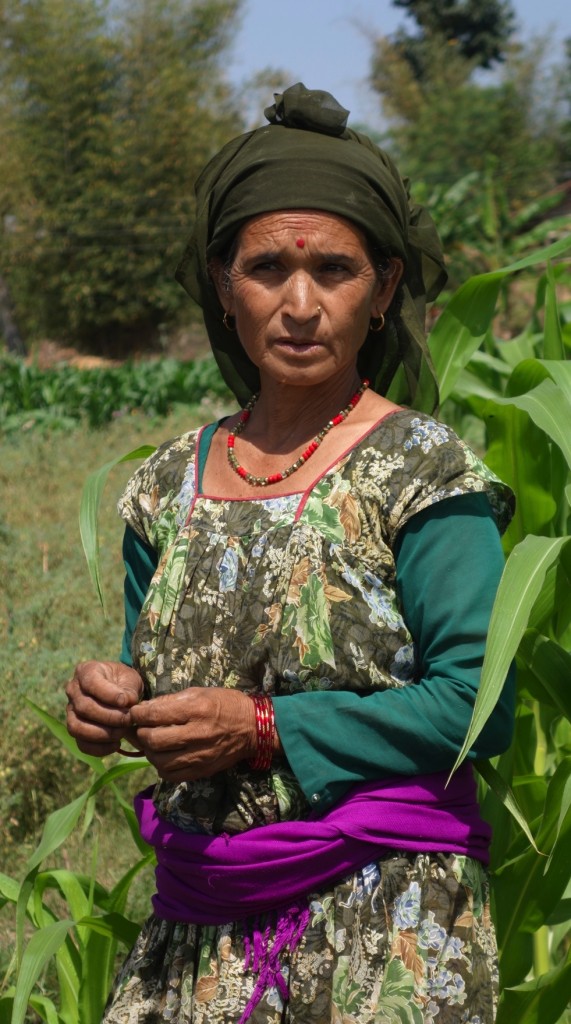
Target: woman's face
x=303 y=289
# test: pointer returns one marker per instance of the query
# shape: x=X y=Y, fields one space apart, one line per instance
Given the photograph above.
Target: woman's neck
x=286 y=416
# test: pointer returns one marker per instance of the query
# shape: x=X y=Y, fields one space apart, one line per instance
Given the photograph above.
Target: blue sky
x=327 y=43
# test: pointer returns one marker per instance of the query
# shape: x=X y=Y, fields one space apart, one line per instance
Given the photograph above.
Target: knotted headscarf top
x=307 y=158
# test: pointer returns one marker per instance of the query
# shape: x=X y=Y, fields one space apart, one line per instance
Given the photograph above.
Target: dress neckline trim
x=303 y=494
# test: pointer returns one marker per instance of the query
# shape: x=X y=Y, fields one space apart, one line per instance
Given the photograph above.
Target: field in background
x=50 y=619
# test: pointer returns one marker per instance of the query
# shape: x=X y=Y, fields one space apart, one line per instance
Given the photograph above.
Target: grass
x=50 y=619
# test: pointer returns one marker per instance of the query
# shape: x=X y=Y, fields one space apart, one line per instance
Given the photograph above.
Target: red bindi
x=300 y=243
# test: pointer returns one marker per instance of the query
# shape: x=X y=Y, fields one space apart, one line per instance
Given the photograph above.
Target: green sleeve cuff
x=140 y=560
x=449 y=562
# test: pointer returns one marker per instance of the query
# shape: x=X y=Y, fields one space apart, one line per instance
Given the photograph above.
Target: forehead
x=286 y=227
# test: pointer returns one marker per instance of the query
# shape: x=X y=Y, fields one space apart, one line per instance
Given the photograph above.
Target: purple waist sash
x=204 y=879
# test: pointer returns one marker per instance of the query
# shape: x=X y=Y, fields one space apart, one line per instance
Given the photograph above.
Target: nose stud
x=318 y=311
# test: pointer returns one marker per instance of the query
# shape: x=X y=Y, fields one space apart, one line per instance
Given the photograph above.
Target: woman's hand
x=196 y=732
x=100 y=697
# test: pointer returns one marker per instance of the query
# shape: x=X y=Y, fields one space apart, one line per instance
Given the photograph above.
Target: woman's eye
x=264 y=266
x=334 y=268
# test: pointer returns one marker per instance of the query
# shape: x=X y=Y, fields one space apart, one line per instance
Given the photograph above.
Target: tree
x=112 y=113
x=565 y=133
x=479 y=29
x=446 y=127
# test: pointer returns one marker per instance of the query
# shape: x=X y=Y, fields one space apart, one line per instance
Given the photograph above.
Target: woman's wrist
x=267 y=743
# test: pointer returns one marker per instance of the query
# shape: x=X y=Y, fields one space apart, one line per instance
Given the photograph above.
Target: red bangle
x=265 y=732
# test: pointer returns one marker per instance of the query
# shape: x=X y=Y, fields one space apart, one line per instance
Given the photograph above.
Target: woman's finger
x=90 y=710
x=90 y=737
x=109 y=683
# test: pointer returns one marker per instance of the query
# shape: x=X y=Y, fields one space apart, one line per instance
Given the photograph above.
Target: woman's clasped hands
x=190 y=734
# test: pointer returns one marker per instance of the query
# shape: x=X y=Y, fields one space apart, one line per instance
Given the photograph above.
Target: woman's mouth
x=298 y=345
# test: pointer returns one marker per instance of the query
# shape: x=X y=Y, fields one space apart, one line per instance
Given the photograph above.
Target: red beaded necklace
x=274 y=478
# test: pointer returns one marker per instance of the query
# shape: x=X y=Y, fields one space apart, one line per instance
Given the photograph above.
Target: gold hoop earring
x=227 y=324
x=377 y=327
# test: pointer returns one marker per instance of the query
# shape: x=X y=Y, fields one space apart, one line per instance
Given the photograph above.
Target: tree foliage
x=478 y=29
x=110 y=113
x=450 y=127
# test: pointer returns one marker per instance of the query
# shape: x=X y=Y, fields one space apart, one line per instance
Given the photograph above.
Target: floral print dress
x=287 y=595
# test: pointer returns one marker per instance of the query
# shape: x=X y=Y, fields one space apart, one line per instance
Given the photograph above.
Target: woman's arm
x=449 y=562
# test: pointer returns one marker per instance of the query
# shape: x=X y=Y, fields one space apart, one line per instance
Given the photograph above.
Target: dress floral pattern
x=287 y=595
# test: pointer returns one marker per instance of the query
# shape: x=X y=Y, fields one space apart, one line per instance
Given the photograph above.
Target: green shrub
x=61 y=398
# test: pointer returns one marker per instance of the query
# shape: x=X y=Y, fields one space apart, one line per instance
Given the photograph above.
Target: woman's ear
x=221 y=279
x=387 y=286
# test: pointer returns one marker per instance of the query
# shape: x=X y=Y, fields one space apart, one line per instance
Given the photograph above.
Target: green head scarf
x=306 y=158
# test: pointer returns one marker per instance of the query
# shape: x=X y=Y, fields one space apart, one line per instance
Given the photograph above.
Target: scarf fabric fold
x=206 y=879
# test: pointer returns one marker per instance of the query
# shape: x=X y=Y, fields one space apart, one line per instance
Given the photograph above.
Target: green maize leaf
x=564 y=809
x=89 y=512
x=528 y=888
x=68 y=966
x=519 y=587
x=124 y=767
x=41 y=947
x=530 y=372
x=548 y=408
x=520 y=454
x=95 y=985
x=9 y=889
x=88 y=816
x=541 y=1001
x=522 y=347
x=550 y=252
x=469 y=386
x=6 y=1005
x=132 y=822
x=562 y=624
x=551 y=666
x=545 y=607
x=43 y=1006
x=561 y=916
x=59 y=730
x=490 y=366
x=505 y=795
x=69 y=971
x=461 y=328
x=495 y=812
x=118 y=895
x=71 y=888
x=463 y=324
x=560 y=373
x=57 y=828
x=100 y=948
x=553 y=347
x=113 y=926
x=23 y=911
x=45 y=1009
x=526 y=376
x=530 y=792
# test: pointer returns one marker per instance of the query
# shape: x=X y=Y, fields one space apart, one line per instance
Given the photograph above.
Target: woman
x=309 y=585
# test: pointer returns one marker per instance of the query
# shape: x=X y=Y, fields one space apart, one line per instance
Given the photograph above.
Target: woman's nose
x=300 y=299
